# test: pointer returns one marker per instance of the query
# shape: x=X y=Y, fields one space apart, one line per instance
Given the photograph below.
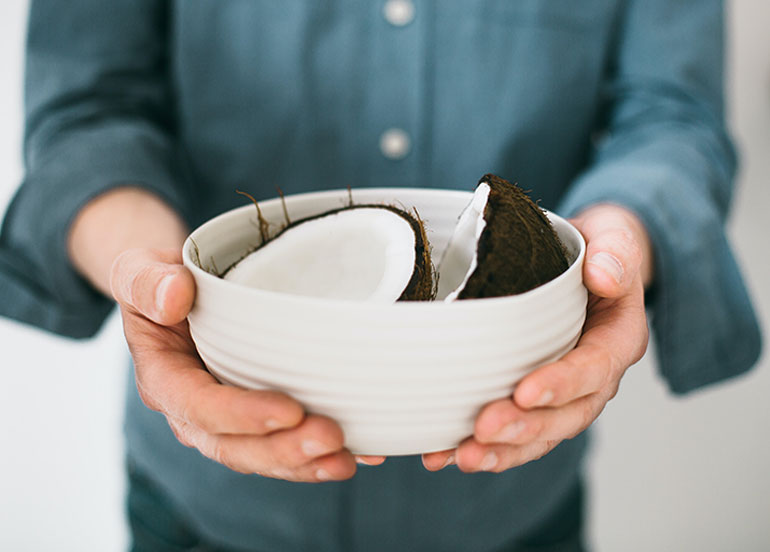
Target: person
x=144 y=116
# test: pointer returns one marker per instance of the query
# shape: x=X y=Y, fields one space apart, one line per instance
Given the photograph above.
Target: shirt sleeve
x=667 y=157
x=97 y=117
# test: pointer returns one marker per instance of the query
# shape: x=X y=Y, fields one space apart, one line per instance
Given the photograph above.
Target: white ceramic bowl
x=405 y=378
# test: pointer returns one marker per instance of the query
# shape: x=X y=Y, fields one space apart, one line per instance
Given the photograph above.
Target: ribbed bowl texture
x=405 y=378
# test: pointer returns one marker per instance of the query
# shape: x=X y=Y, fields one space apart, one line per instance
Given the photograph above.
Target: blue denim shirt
x=598 y=101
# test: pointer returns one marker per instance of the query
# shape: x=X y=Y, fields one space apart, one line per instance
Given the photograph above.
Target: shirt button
x=398 y=12
x=395 y=143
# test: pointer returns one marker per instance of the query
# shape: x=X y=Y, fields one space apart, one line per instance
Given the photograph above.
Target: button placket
x=391 y=110
x=395 y=143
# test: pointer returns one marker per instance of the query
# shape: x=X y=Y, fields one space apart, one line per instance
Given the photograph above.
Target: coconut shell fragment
x=358 y=252
x=514 y=247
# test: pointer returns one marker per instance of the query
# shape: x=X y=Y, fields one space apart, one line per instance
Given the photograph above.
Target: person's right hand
x=263 y=432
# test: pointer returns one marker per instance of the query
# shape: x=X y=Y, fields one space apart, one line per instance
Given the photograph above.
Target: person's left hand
x=560 y=400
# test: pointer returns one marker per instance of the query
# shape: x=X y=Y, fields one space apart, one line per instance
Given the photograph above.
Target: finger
x=315 y=437
x=583 y=371
x=473 y=456
x=246 y=454
x=613 y=254
x=502 y=421
x=289 y=454
x=334 y=467
x=153 y=283
x=541 y=424
x=435 y=461
x=615 y=337
x=370 y=460
x=177 y=385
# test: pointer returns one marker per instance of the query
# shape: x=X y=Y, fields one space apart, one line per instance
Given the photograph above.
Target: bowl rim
x=487 y=302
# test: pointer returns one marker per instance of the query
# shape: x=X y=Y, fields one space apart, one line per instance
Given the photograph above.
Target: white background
x=668 y=474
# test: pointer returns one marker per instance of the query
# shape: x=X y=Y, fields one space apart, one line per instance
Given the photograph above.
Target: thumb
x=615 y=247
x=153 y=283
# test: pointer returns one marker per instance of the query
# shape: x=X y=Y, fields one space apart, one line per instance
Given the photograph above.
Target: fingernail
x=489 y=462
x=160 y=293
x=313 y=448
x=362 y=461
x=449 y=461
x=510 y=431
x=545 y=398
x=608 y=264
x=322 y=475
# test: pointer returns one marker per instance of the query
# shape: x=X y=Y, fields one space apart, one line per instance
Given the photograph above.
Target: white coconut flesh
x=360 y=254
x=460 y=258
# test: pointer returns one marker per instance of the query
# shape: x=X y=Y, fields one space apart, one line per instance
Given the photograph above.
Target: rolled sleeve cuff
x=702 y=319
x=39 y=284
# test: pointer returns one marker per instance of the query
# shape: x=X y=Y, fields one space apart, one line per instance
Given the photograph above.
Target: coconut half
x=503 y=244
x=374 y=253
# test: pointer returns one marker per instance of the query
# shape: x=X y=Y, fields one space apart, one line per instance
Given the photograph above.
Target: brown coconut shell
x=518 y=249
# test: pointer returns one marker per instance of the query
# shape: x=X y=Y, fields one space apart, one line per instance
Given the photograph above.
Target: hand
x=249 y=431
x=560 y=400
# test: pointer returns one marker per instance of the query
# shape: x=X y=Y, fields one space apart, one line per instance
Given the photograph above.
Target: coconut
x=375 y=253
x=503 y=244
